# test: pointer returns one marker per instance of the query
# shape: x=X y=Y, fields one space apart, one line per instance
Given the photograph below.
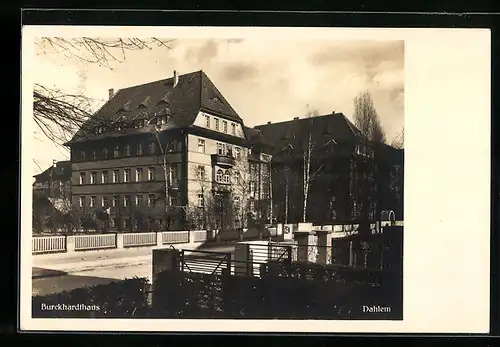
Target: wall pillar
x=324 y=246
x=164 y=259
x=159 y=239
x=70 y=243
x=119 y=240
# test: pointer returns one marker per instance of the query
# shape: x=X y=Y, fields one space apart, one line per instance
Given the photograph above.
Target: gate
x=207 y=262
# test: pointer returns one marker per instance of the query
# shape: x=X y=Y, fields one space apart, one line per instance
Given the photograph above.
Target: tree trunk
x=307 y=167
x=286 y=196
x=167 y=201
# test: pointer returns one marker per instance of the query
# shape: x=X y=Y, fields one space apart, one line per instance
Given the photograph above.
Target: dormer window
x=162 y=120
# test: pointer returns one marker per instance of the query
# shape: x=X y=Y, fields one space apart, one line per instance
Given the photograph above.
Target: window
x=217 y=124
x=207 y=121
x=116 y=200
x=229 y=150
x=138 y=200
x=128 y=151
x=94 y=155
x=81 y=201
x=237 y=152
x=218 y=178
x=233 y=128
x=82 y=178
x=152 y=148
x=201 y=172
x=151 y=174
x=201 y=145
x=226 y=176
x=151 y=200
x=104 y=202
x=126 y=222
x=252 y=189
x=220 y=148
x=138 y=174
x=139 y=149
x=104 y=176
x=92 y=201
x=252 y=205
x=105 y=153
x=200 y=201
x=224 y=126
x=82 y=155
x=93 y=177
x=116 y=175
x=126 y=200
x=172 y=171
x=174 y=200
x=126 y=175
x=237 y=202
x=116 y=152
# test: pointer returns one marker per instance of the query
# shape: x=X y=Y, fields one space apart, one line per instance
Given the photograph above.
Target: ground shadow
x=43 y=286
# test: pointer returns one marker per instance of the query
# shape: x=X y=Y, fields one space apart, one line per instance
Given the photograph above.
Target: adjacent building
x=324 y=170
x=166 y=155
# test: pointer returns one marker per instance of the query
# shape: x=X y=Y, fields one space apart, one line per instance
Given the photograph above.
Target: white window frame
x=126 y=200
x=233 y=128
x=126 y=175
x=82 y=178
x=116 y=151
x=207 y=121
x=139 y=149
x=104 y=176
x=128 y=150
x=151 y=200
x=93 y=177
x=93 y=201
x=116 y=176
x=151 y=174
x=116 y=200
x=201 y=145
x=201 y=200
x=81 y=201
x=138 y=200
x=219 y=175
x=217 y=125
x=201 y=172
x=224 y=126
x=104 y=199
x=139 y=174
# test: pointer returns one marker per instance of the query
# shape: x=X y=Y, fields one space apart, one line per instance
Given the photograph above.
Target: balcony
x=222 y=160
x=174 y=184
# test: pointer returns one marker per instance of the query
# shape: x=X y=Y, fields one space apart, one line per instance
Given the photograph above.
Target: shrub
x=120 y=299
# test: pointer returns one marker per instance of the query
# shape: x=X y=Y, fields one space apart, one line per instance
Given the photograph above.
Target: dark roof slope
x=194 y=92
x=324 y=128
x=61 y=172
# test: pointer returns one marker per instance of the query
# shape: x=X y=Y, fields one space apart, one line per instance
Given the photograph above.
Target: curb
x=49 y=275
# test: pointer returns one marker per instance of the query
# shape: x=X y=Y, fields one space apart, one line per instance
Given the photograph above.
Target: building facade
x=324 y=170
x=165 y=155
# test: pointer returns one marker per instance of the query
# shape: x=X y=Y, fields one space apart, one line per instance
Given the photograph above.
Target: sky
x=263 y=80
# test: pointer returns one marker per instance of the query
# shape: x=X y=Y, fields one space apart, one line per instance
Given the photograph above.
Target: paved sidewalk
x=67 y=263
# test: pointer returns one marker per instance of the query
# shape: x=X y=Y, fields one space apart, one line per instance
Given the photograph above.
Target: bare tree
x=243 y=184
x=366 y=118
x=59 y=115
x=307 y=156
x=399 y=140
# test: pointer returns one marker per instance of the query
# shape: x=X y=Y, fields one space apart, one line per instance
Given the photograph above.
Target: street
x=61 y=272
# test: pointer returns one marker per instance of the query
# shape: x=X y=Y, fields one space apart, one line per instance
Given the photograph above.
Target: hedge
x=120 y=299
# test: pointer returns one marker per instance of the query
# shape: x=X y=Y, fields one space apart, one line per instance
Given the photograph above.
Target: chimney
x=295 y=118
x=176 y=78
x=54 y=163
x=269 y=122
x=111 y=93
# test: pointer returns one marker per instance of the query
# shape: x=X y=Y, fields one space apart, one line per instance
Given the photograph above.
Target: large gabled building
x=153 y=153
x=348 y=178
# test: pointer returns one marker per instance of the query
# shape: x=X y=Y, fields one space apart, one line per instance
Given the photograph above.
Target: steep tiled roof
x=325 y=128
x=193 y=92
x=61 y=172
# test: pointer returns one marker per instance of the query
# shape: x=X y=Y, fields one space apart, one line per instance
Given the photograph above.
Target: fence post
x=159 y=238
x=70 y=243
x=119 y=240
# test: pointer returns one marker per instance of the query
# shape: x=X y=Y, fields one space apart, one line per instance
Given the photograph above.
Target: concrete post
x=70 y=243
x=159 y=239
x=163 y=259
x=324 y=245
x=119 y=240
x=242 y=262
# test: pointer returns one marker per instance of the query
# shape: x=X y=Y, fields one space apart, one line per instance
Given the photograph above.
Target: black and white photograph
x=226 y=177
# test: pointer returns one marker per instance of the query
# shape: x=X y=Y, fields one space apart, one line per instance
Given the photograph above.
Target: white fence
x=85 y=242
x=139 y=239
x=169 y=237
x=199 y=235
x=46 y=244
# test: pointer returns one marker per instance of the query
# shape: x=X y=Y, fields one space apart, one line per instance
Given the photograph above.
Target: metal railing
x=48 y=244
x=171 y=237
x=88 y=242
x=139 y=239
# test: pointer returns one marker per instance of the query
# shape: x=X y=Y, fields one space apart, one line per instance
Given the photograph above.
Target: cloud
x=237 y=71
x=203 y=54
